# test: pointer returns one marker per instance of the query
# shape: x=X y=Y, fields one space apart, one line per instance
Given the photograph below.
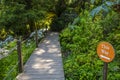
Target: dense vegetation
x=9 y=64
x=21 y=17
x=82 y=25
x=79 y=42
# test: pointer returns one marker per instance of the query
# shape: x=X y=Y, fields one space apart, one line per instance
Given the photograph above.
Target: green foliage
x=10 y=62
x=59 y=23
x=13 y=17
x=6 y=65
x=16 y=15
x=106 y=7
x=3 y=34
x=79 y=42
x=27 y=50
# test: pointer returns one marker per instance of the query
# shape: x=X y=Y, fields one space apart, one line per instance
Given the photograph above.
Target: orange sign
x=105 y=51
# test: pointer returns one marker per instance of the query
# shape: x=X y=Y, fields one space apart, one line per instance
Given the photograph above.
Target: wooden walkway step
x=46 y=62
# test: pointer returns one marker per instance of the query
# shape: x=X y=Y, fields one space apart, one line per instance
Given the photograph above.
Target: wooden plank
x=46 y=62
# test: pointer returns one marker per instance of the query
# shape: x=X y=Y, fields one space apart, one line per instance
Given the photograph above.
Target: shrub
x=79 y=42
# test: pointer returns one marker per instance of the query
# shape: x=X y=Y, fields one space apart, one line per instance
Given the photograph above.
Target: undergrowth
x=79 y=42
x=9 y=64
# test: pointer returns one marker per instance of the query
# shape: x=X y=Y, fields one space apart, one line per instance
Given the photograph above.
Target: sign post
x=105 y=68
x=106 y=53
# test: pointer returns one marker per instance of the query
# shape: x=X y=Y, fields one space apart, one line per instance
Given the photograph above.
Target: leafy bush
x=79 y=42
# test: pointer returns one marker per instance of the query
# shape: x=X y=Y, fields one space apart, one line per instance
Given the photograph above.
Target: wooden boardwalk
x=46 y=62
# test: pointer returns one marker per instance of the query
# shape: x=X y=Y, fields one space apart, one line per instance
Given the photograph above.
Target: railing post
x=36 y=37
x=20 y=61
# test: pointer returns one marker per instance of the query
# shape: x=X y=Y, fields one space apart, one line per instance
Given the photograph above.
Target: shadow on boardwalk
x=45 y=63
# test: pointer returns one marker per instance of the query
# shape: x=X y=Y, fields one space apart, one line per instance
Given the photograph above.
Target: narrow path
x=45 y=63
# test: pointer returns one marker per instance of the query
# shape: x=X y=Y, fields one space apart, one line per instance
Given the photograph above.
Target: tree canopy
x=18 y=17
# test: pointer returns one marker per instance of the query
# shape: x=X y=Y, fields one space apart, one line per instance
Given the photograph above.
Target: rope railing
x=36 y=40
x=18 y=67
